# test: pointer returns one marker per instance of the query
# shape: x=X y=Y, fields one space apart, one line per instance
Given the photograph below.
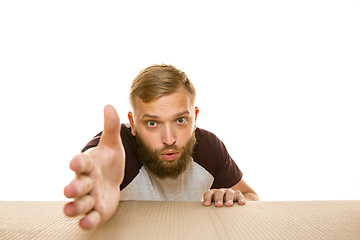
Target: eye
x=151 y=123
x=181 y=120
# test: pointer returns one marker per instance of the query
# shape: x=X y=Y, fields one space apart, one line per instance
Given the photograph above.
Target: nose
x=168 y=137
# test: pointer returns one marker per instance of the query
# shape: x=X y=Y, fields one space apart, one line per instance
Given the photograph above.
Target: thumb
x=111 y=133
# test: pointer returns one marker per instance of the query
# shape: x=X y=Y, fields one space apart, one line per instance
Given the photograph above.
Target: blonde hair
x=159 y=80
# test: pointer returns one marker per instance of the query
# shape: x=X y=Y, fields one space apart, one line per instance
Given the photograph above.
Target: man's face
x=164 y=130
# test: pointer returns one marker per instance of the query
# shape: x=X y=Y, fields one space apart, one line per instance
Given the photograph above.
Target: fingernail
x=242 y=201
x=206 y=203
x=219 y=204
x=230 y=202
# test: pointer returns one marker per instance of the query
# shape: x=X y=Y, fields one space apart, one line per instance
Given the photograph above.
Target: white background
x=277 y=81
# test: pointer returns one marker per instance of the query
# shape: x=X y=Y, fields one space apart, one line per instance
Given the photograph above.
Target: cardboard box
x=188 y=220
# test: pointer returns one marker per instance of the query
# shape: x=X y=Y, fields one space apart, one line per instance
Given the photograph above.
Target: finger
x=90 y=221
x=229 y=197
x=81 y=164
x=207 y=198
x=111 y=133
x=219 y=197
x=80 y=206
x=239 y=197
x=80 y=186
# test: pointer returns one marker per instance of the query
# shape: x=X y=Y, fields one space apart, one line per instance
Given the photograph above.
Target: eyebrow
x=149 y=116
x=157 y=117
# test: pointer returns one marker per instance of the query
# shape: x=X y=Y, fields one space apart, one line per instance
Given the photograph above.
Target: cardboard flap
x=188 y=220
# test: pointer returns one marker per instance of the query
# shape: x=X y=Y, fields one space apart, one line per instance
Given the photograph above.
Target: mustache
x=171 y=147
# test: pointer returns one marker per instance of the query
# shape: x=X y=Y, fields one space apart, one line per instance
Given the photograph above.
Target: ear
x=131 y=120
x=197 y=110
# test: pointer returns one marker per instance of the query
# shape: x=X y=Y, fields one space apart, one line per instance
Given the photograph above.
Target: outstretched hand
x=98 y=175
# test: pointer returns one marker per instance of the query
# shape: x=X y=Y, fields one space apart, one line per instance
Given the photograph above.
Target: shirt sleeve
x=227 y=172
x=93 y=142
x=211 y=153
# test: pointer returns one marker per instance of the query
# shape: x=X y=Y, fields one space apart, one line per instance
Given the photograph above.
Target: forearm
x=251 y=196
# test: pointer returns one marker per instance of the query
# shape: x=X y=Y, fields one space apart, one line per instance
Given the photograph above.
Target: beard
x=162 y=168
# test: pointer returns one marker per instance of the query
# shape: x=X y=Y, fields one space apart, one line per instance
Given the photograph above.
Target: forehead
x=165 y=106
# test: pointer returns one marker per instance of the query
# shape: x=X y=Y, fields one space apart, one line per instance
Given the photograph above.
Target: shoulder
x=207 y=142
x=125 y=133
x=205 y=138
x=128 y=140
x=206 y=151
x=132 y=162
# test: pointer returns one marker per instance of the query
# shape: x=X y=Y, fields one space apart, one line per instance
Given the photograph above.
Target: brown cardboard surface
x=188 y=220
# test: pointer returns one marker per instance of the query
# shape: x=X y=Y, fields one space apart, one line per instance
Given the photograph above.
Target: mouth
x=170 y=155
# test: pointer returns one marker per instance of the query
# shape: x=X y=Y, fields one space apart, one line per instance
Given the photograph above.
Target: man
x=161 y=156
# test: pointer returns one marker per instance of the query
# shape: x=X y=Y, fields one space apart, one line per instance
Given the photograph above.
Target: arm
x=246 y=190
